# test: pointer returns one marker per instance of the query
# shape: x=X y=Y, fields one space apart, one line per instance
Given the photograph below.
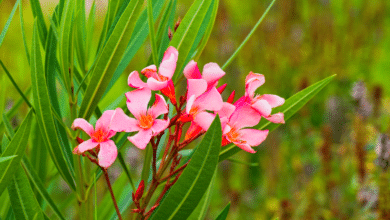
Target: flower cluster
x=201 y=104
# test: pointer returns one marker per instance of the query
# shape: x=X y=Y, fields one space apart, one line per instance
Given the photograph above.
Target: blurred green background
x=322 y=163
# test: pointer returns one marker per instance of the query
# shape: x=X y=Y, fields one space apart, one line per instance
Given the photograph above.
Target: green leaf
x=151 y=32
x=6 y=26
x=224 y=213
x=23 y=32
x=38 y=15
x=289 y=108
x=23 y=201
x=201 y=210
x=40 y=187
x=248 y=36
x=138 y=37
x=17 y=146
x=3 y=159
x=185 y=195
x=109 y=59
x=165 y=23
x=44 y=111
x=207 y=22
x=187 y=32
x=66 y=43
x=210 y=25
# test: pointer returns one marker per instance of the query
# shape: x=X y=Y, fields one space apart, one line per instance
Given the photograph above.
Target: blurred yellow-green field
x=329 y=161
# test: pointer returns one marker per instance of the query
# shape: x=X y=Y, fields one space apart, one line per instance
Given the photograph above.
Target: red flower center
x=99 y=136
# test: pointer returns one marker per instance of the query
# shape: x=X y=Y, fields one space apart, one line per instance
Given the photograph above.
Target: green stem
x=151 y=33
x=248 y=36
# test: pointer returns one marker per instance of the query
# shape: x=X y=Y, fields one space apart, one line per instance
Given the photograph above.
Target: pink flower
x=234 y=120
x=262 y=103
x=211 y=73
x=100 y=136
x=145 y=121
x=156 y=80
x=199 y=100
x=161 y=79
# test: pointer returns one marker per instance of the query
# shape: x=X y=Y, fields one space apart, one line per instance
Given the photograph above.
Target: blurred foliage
x=321 y=165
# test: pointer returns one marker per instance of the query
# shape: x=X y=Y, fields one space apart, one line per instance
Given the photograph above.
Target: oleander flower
x=100 y=138
x=211 y=73
x=145 y=121
x=235 y=121
x=262 y=103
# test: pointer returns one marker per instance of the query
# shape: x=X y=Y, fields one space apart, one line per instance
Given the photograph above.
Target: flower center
x=99 y=136
x=194 y=110
x=146 y=121
x=233 y=135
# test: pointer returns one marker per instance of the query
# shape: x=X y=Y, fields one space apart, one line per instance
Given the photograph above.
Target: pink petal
x=210 y=100
x=141 y=139
x=196 y=87
x=253 y=137
x=276 y=118
x=111 y=134
x=81 y=123
x=159 y=126
x=212 y=73
x=191 y=71
x=137 y=101
x=252 y=82
x=135 y=81
x=159 y=107
x=156 y=85
x=245 y=147
x=226 y=110
x=190 y=103
x=204 y=120
x=107 y=154
x=263 y=107
x=273 y=100
x=168 y=64
x=244 y=116
x=121 y=122
x=150 y=71
x=87 y=145
x=103 y=123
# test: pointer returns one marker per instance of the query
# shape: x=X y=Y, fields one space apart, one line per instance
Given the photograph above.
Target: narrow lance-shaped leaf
x=43 y=111
x=109 y=59
x=187 y=32
x=65 y=43
x=185 y=195
x=33 y=176
x=289 y=108
x=17 y=147
x=206 y=23
x=208 y=30
x=5 y=29
x=138 y=37
x=38 y=15
x=23 y=201
x=224 y=213
x=201 y=210
x=4 y=159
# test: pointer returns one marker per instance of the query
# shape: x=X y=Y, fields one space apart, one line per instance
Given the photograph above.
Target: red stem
x=112 y=194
